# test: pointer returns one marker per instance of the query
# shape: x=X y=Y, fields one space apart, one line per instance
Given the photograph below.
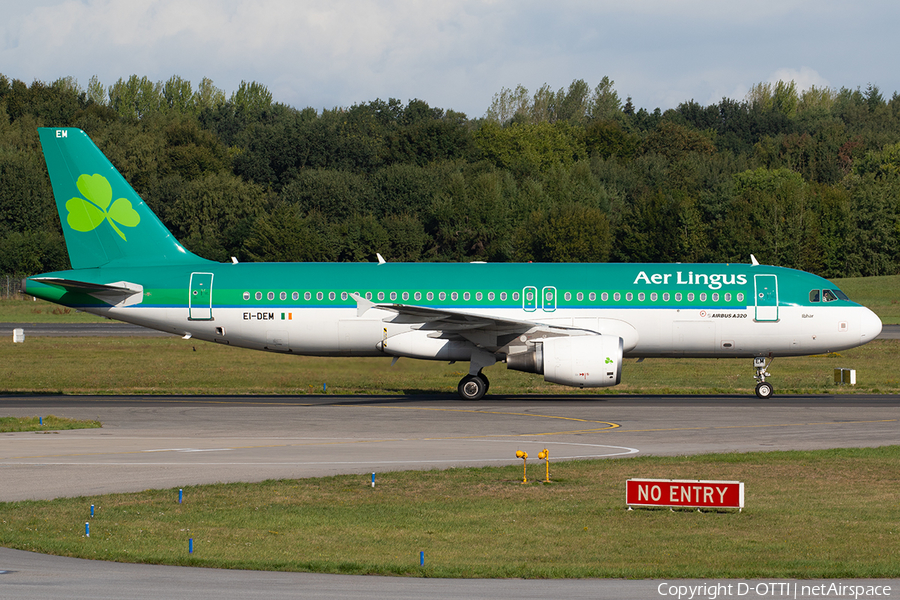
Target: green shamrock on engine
x=87 y=215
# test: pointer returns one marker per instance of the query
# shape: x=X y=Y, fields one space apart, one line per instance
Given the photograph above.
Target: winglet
x=362 y=305
x=753 y=261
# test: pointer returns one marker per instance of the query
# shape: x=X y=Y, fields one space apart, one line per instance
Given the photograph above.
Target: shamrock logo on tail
x=87 y=215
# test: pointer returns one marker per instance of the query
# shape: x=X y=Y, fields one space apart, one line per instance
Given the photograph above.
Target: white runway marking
x=611 y=451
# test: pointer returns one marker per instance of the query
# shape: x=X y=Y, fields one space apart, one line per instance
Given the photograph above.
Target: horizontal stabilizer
x=120 y=293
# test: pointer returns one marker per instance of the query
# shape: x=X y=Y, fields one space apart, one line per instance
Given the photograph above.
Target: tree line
x=805 y=179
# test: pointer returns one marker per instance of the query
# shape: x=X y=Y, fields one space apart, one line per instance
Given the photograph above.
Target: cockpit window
x=841 y=295
x=828 y=296
x=814 y=295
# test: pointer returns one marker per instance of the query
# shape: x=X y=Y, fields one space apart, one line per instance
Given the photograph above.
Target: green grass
x=23 y=309
x=50 y=423
x=821 y=514
x=170 y=365
x=881 y=294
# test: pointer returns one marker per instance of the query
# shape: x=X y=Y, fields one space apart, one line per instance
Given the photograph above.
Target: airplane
x=572 y=323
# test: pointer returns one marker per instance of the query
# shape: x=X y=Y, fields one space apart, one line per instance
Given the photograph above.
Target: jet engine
x=578 y=361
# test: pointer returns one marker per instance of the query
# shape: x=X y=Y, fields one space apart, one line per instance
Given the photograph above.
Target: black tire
x=472 y=387
x=487 y=383
x=764 y=390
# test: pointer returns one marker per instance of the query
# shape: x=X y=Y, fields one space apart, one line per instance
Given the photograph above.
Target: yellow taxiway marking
x=756 y=426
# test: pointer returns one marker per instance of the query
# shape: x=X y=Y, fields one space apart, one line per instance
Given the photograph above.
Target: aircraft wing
x=486 y=331
x=448 y=319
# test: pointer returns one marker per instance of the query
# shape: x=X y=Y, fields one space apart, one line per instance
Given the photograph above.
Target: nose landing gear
x=763 y=389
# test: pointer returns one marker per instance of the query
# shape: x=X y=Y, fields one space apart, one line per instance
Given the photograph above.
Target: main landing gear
x=764 y=389
x=473 y=387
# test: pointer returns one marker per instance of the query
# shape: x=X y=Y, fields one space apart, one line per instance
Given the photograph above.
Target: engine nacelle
x=578 y=361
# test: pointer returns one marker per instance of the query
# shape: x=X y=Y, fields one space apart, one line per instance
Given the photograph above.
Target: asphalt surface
x=39 y=577
x=171 y=441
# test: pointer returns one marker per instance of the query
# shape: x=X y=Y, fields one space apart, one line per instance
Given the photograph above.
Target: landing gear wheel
x=472 y=387
x=764 y=390
x=487 y=383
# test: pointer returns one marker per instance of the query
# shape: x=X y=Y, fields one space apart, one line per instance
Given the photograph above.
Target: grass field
x=48 y=423
x=823 y=514
x=170 y=365
x=29 y=310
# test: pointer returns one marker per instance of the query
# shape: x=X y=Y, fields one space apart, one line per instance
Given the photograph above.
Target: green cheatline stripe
x=341 y=298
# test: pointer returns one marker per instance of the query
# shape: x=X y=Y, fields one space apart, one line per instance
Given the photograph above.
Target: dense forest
x=805 y=179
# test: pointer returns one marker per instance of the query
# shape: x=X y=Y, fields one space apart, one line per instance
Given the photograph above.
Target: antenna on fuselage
x=381 y=260
x=753 y=261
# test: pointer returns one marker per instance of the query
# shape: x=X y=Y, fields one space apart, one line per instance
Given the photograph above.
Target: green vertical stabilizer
x=104 y=221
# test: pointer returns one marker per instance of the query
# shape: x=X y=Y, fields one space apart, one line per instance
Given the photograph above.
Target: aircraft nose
x=869 y=325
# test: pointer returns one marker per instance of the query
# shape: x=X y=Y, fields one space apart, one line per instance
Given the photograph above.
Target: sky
x=457 y=54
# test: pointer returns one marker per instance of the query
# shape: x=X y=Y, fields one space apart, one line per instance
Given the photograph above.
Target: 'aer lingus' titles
x=713 y=281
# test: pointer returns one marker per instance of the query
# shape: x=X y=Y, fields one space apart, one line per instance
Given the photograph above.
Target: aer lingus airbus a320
x=572 y=323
